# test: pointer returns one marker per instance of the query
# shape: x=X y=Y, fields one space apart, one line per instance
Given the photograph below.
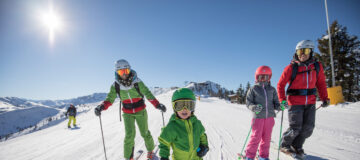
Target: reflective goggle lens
x=306 y=51
x=123 y=71
x=263 y=77
x=179 y=105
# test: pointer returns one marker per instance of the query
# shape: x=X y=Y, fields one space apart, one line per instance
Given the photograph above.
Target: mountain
x=20 y=116
x=208 y=89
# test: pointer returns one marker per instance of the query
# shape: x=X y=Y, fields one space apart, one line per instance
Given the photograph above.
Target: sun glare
x=52 y=23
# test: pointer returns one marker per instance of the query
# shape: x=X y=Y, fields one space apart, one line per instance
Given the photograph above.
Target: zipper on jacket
x=190 y=133
x=266 y=101
x=307 y=84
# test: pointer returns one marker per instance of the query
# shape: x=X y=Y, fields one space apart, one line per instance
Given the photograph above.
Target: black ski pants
x=302 y=124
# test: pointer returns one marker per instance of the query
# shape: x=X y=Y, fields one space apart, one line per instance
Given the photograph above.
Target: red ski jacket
x=303 y=80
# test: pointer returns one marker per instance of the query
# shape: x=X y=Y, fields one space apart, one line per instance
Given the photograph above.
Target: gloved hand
x=325 y=103
x=202 y=150
x=257 y=108
x=98 y=109
x=164 y=158
x=284 y=105
x=161 y=107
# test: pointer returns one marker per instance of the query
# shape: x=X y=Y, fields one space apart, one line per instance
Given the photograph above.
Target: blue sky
x=166 y=42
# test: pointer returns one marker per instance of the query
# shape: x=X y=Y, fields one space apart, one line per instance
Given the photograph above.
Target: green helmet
x=183 y=93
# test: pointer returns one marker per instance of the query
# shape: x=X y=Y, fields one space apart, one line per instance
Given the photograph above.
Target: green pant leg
x=74 y=121
x=70 y=119
x=129 y=141
x=142 y=122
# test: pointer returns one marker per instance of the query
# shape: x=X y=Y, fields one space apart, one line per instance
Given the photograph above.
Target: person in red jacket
x=300 y=98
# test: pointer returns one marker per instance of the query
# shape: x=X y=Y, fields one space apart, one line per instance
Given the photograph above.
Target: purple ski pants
x=261 y=133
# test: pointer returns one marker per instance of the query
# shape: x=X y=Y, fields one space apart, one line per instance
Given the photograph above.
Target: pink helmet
x=263 y=70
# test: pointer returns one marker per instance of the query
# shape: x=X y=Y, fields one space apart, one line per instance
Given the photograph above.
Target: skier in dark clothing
x=71 y=113
x=305 y=79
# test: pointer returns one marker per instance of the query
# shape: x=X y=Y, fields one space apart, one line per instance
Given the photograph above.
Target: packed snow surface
x=336 y=135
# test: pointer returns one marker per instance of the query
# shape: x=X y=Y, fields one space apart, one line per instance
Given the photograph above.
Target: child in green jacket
x=184 y=133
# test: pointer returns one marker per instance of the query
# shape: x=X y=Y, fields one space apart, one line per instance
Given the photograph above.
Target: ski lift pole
x=102 y=134
x=330 y=48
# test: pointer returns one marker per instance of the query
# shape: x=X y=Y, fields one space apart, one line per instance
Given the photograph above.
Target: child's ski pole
x=247 y=137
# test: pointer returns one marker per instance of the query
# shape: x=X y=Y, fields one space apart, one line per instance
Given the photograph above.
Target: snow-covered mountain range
x=20 y=116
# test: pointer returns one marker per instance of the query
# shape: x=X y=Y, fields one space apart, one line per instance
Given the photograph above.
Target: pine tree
x=248 y=86
x=240 y=93
x=346 y=60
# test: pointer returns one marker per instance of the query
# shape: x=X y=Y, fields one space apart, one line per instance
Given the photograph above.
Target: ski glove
x=257 y=108
x=284 y=105
x=164 y=158
x=202 y=150
x=325 y=103
x=98 y=109
x=161 y=107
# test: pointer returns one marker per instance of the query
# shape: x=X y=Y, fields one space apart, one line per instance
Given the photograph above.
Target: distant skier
x=71 y=113
x=262 y=99
x=184 y=133
x=131 y=91
x=305 y=76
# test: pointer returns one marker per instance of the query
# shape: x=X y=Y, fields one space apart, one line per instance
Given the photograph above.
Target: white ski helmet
x=305 y=44
x=121 y=64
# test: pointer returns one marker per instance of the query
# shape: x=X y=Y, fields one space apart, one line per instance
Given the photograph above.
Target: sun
x=52 y=23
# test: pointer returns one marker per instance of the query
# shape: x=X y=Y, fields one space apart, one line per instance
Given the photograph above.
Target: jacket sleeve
x=204 y=140
x=165 y=140
x=321 y=84
x=67 y=112
x=276 y=100
x=284 y=79
x=250 y=104
x=144 y=90
x=110 y=98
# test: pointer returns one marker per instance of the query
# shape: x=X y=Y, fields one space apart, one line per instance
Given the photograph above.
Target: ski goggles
x=121 y=72
x=179 y=105
x=305 y=51
x=263 y=77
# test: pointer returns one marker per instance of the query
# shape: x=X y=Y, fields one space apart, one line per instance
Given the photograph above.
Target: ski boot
x=69 y=126
x=301 y=153
x=261 y=158
x=150 y=155
x=287 y=150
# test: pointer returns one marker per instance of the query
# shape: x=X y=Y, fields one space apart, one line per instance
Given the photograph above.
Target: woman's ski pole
x=102 y=136
x=281 y=123
x=162 y=113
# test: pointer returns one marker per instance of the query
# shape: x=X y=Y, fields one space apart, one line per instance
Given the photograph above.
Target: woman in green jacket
x=184 y=133
x=131 y=91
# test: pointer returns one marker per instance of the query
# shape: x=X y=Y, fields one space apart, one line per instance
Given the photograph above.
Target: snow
x=336 y=135
x=325 y=37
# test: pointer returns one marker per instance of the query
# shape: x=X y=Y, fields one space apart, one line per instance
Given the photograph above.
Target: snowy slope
x=335 y=137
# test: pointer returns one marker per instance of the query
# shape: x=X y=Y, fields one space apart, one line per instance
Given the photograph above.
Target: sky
x=166 y=42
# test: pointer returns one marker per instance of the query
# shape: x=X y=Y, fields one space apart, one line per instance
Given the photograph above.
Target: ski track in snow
x=336 y=135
